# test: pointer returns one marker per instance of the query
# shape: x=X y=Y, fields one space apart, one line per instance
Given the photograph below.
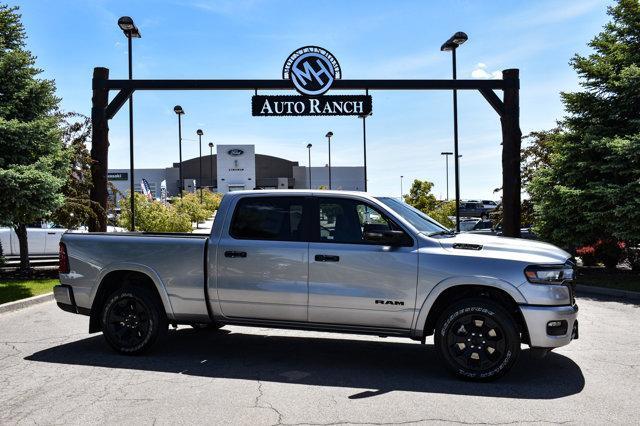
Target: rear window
x=268 y=218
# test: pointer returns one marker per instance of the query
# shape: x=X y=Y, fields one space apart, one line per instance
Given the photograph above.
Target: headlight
x=549 y=274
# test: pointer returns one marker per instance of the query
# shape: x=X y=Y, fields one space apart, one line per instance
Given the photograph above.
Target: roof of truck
x=298 y=192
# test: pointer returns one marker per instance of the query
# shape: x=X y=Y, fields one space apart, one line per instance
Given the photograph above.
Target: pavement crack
x=257 y=403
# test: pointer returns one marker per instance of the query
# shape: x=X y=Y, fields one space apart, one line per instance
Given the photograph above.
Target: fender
x=127 y=266
x=421 y=318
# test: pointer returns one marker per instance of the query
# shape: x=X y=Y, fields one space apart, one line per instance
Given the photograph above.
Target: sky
x=244 y=39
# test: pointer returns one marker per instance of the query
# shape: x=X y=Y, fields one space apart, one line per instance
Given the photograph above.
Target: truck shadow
x=376 y=367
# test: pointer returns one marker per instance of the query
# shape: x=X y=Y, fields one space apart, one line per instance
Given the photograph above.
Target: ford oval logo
x=235 y=152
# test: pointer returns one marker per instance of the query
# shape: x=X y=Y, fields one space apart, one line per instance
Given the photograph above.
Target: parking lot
x=54 y=372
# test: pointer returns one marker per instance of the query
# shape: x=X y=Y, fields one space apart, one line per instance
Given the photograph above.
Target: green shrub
x=153 y=216
x=190 y=205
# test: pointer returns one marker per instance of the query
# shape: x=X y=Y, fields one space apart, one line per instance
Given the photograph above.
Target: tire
x=133 y=320
x=477 y=340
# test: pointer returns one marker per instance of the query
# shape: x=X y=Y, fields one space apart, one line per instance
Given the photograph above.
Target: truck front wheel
x=133 y=320
x=477 y=340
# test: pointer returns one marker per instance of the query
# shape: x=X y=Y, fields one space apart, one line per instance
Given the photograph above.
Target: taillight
x=63 y=265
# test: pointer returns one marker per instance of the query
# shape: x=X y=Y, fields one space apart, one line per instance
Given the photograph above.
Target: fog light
x=557 y=328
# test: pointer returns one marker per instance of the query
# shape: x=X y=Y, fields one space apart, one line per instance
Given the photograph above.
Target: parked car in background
x=525 y=233
x=489 y=204
x=43 y=239
x=474 y=210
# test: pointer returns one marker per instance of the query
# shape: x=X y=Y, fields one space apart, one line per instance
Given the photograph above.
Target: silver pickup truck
x=331 y=261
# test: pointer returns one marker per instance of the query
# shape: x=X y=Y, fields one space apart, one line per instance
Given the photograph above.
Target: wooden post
x=99 y=150
x=511 y=141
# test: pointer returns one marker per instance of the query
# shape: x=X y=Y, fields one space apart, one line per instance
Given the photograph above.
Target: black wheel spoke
x=476 y=342
x=128 y=322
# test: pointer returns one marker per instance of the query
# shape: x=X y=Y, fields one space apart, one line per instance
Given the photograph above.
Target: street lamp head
x=199 y=132
x=456 y=40
x=329 y=134
x=309 y=145
x=446 y=153
x=210 y=144
x=178 y=110
x=459 y=38
x=128 y=27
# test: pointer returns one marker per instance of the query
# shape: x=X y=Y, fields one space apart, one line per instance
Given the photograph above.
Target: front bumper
x=538 y=319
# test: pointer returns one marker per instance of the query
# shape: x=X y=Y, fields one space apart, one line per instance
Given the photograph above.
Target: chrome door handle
x=327 y=258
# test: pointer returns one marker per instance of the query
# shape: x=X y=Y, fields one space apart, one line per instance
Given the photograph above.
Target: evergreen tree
x=33 y=166
x=590 y=189
x=76 y=210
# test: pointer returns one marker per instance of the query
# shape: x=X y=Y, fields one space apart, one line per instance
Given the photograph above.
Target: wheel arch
x=452 y=290
x=116 y=276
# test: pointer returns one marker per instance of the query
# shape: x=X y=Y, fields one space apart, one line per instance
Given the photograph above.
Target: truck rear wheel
x=133 y=320
x=477 y=340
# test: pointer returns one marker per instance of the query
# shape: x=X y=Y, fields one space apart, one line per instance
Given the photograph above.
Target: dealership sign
x=117 y=176
x=312 y=70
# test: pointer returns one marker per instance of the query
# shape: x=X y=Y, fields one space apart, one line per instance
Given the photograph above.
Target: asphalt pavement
x=53 y=372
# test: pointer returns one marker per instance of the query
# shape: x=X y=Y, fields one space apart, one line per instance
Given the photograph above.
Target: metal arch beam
x=288 y=85
x=117 y=102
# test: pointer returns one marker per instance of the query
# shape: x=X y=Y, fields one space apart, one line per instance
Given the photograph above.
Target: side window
x=345 y=221
x=268 y=218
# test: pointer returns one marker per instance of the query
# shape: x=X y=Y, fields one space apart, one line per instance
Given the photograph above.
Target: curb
x=602 y=291
x=25 y=303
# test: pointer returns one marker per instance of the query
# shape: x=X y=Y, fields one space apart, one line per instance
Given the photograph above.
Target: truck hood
x=504 y=248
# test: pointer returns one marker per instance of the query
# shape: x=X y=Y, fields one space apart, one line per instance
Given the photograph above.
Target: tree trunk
x=21 y=232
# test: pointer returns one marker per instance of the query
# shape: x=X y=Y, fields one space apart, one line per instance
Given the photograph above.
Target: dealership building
x=235 y=168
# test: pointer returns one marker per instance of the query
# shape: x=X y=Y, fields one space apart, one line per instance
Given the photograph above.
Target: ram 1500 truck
x=331 y=261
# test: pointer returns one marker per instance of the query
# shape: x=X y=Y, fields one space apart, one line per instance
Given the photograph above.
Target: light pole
x=179 y=112
x=309 y=148
x=451 y=45
x=199 y=132
x=446 y=161
x=211 y=162
x=328 y=136
x=364 y=142
x=130 y=31
x=401 y=177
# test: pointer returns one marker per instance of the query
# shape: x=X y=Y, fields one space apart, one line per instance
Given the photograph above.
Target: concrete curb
x=602 y=291
x=25 y=303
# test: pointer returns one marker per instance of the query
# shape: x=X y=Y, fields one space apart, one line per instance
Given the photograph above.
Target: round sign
x=312 y=70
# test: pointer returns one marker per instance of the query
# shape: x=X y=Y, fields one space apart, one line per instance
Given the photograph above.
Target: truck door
x=263 y=259
x=355 y=282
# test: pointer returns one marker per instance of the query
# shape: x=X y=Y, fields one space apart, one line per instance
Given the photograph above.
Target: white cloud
x=481 y=72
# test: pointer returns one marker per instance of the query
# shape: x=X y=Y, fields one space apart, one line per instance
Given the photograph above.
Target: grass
x=599 y=277
x=16 y=289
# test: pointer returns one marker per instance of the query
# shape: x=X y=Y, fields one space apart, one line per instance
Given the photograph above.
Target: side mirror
x=387 y=237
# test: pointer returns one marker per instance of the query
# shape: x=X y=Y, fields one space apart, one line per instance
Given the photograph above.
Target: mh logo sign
x=312 y=70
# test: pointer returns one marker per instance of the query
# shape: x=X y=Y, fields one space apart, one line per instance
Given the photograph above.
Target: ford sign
x=235 y=152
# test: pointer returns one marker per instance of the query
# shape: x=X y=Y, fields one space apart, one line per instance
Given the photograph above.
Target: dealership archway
x=508 y=110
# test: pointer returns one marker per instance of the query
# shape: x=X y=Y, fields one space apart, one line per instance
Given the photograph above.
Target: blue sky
x=370 y=39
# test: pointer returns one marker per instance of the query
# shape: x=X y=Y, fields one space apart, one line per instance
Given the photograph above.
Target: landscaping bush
x=153 y=216
x=190 y=205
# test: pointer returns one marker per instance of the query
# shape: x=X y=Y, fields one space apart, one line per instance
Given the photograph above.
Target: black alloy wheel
x=132 y=320
x=477 y=340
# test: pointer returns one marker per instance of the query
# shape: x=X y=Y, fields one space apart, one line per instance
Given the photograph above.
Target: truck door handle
x=327 y=258
x=51 y=233
x=231 y=253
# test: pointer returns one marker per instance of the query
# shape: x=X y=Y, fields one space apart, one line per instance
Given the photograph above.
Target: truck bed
x=174 y=261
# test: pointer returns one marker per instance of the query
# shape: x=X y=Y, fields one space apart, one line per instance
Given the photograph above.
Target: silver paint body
x=280 y=283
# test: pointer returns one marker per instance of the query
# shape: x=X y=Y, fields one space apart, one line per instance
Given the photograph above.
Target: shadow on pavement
x=376 y=367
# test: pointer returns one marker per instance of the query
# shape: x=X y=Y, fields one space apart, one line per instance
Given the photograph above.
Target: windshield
x=415 y=217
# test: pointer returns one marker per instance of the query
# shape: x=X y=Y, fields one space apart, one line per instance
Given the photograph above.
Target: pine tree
x=33 y=166
x=590 y=189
